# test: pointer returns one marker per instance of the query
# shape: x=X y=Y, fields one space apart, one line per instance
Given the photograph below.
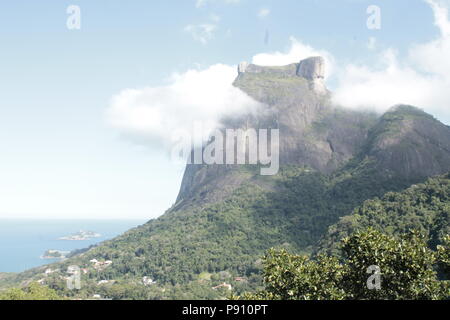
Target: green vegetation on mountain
x=410 y=269
x=424 y=207
x=226 y=237
x=405 y=234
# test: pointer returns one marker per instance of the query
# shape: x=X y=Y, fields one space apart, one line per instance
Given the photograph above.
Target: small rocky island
x=54 y=254
x=81 y=236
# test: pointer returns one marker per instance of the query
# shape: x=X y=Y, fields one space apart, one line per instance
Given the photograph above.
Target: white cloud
x=440 y=10
x=158 y=114
x=201 y=32
x=422 y=79
x=263 y=13
x=433 y=57
x=363 y=87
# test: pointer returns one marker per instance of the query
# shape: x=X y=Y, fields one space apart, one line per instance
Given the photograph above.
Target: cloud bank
x=421 y=79
x=157 y=114
x=160 y=114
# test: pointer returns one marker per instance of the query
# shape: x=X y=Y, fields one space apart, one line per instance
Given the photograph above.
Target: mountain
x=424 y=207
x=409 y=142
x=313 y=132
x=226 y=216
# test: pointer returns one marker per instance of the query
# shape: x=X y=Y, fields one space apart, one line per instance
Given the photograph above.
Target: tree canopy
x=405 y=267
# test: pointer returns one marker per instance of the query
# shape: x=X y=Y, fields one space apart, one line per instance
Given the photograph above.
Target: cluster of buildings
x=223 y=285
x=50 y=271
x=100 y=265
x=103 y=282
x=147 y=281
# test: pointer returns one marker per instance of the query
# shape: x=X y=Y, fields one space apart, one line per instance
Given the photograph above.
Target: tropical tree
x=373 y=266
x=33 y=291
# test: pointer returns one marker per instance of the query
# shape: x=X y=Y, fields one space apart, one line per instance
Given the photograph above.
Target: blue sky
x=60 y=157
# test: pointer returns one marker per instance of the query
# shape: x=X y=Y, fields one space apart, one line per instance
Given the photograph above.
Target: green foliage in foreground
x=444 y=257
x=408 y=271
x=34 y=291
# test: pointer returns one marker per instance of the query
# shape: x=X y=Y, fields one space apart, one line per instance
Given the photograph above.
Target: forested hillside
x=423 y=207
x=202 y=247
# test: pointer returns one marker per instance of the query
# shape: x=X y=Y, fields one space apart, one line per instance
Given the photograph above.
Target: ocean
x=23 y=242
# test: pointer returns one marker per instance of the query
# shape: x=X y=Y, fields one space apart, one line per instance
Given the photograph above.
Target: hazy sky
x=62 y=154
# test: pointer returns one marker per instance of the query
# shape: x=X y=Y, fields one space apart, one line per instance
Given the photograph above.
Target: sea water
x=23 y=242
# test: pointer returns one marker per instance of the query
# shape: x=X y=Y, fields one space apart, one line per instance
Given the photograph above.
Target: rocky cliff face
x=408 y=142
x=311 y=69
x=315 y=134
